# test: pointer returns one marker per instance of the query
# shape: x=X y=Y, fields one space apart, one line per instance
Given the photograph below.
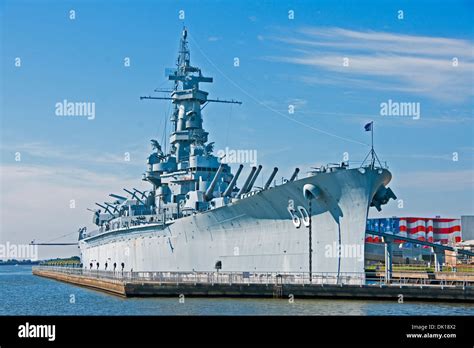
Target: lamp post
x=311 y=192
x=310 y=243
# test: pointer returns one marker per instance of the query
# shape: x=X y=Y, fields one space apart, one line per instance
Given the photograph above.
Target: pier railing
x=273 y=278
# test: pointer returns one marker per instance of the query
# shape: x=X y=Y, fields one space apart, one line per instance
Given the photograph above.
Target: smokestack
x=293 y=177
x=210 y=189
x=254 y=178
x=270 y=179
x=244 y=188
x=229 y=189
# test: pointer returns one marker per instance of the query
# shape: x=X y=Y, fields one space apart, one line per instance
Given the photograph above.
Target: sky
x=333 y=63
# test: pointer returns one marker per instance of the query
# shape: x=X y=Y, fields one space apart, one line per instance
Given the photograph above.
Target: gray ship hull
x=254 y=234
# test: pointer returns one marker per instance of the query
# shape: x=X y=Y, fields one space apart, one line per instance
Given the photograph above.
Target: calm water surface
x=21 y=293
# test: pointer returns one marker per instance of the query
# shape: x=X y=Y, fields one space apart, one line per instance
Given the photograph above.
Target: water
x=21 y=293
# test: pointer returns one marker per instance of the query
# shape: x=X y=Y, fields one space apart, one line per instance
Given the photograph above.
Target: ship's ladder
x=278 y=287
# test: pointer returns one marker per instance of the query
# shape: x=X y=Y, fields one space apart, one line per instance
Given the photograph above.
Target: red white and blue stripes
x=435 y=230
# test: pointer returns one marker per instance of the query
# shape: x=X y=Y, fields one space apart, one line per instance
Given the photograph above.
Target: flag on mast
x=368 y=126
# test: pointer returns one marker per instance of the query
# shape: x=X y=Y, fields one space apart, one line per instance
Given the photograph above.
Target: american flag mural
x=436 y=230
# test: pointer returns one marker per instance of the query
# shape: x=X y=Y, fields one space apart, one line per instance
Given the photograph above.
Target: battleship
x=196 y=216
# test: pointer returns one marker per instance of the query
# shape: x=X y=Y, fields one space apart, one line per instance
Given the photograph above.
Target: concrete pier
x=113 y=286
x=174 y=288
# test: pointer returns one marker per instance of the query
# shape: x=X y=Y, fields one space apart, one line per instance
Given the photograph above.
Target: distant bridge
x=437 y=248
x=392 y=237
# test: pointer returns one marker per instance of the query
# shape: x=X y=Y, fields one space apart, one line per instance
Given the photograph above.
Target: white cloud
x=448 y=193
x=386 y=42
x=35 y=202
x=40 y=150
x=407 y=63
x=441 y=181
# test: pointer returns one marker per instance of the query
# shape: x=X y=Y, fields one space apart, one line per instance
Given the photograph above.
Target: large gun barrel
x=270 y=179
x=130 y=192
x=105 y=208
x=254 y=178
x=295 y=173
x=243 y=189
x=134 y=195
x=229 y=189
x=100 y=205
x=114 y=207
x=210 y=189
x=118 y=197
x=140 y=192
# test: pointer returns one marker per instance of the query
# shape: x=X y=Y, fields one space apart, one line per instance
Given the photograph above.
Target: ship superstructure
x=197 y=217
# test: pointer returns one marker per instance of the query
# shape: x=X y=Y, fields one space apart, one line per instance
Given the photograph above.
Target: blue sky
x=282 y=61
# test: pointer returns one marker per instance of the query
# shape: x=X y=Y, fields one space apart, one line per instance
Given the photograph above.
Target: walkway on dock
x=249 y=284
